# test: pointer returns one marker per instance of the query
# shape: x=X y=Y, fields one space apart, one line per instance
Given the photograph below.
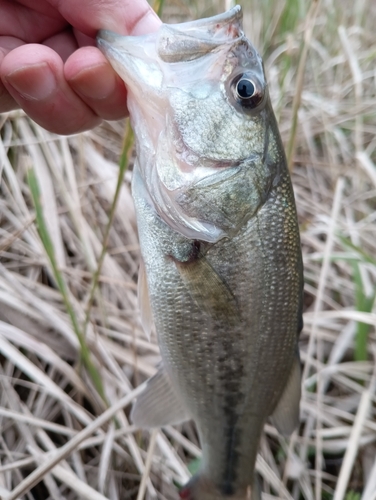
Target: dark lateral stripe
x=232 y=438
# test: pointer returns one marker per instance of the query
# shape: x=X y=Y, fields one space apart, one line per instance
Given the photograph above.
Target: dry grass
x=58 y=440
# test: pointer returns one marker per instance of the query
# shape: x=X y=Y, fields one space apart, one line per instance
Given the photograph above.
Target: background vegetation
x=72 y=348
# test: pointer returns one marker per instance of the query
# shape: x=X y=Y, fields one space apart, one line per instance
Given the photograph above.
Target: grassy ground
x=72 y=348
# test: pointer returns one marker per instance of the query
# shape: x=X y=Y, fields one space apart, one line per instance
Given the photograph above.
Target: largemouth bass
x=219 y=240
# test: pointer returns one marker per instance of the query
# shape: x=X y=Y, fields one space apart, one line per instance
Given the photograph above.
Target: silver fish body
x=220 y=243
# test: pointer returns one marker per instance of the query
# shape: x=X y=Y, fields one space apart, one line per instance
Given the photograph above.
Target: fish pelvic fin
x=201 y=488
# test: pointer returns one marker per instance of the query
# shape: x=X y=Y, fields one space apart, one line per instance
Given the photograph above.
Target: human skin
x=50 y=67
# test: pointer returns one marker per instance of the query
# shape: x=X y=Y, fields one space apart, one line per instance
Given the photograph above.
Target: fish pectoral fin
x=207 y=288
x=285 y=417
x=158 y=405
x=146 y=316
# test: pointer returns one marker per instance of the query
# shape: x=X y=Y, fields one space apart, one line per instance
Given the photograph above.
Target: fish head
x=208 y=147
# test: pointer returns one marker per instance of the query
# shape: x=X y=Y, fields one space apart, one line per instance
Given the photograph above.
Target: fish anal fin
x=285 y=417
x=146 y=316
x=158 y=405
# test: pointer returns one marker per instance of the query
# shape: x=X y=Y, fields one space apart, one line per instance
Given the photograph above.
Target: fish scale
x=220 y=244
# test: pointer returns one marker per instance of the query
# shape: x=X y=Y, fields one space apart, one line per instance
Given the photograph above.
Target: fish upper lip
x=227 y=17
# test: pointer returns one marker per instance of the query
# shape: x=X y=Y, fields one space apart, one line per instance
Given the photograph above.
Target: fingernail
x=96 y=82
x=34 y=82
x=147 y=24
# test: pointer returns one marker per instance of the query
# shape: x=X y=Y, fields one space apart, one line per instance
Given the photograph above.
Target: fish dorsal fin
x=207 y=288
x=158 y=405
x=144 y=301
x=285 y=417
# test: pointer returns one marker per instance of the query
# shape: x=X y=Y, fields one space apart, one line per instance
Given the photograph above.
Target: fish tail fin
x=201 y=488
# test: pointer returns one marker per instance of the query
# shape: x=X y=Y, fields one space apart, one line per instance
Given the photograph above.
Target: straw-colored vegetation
x=72 y=348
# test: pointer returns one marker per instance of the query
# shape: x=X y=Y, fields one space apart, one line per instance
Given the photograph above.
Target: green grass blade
x=362 y=254
x=123 y=165
x=60 y=282
x=291 y=145
x=363 y=303
x=158 y=7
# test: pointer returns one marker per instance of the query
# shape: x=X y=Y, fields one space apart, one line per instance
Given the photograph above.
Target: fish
x=222 y=275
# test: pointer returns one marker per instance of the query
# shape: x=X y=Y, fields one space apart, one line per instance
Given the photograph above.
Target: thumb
x=126 y=17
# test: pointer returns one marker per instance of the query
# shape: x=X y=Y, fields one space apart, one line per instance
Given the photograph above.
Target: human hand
x=50 y=67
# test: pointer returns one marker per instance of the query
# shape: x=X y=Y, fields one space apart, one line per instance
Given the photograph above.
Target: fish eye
x=245 y=88
x=247 y=91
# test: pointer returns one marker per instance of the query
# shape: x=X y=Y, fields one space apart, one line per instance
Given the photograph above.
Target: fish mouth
x=135 y=58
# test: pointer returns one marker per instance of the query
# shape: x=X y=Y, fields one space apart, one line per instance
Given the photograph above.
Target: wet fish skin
x=220 y=243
